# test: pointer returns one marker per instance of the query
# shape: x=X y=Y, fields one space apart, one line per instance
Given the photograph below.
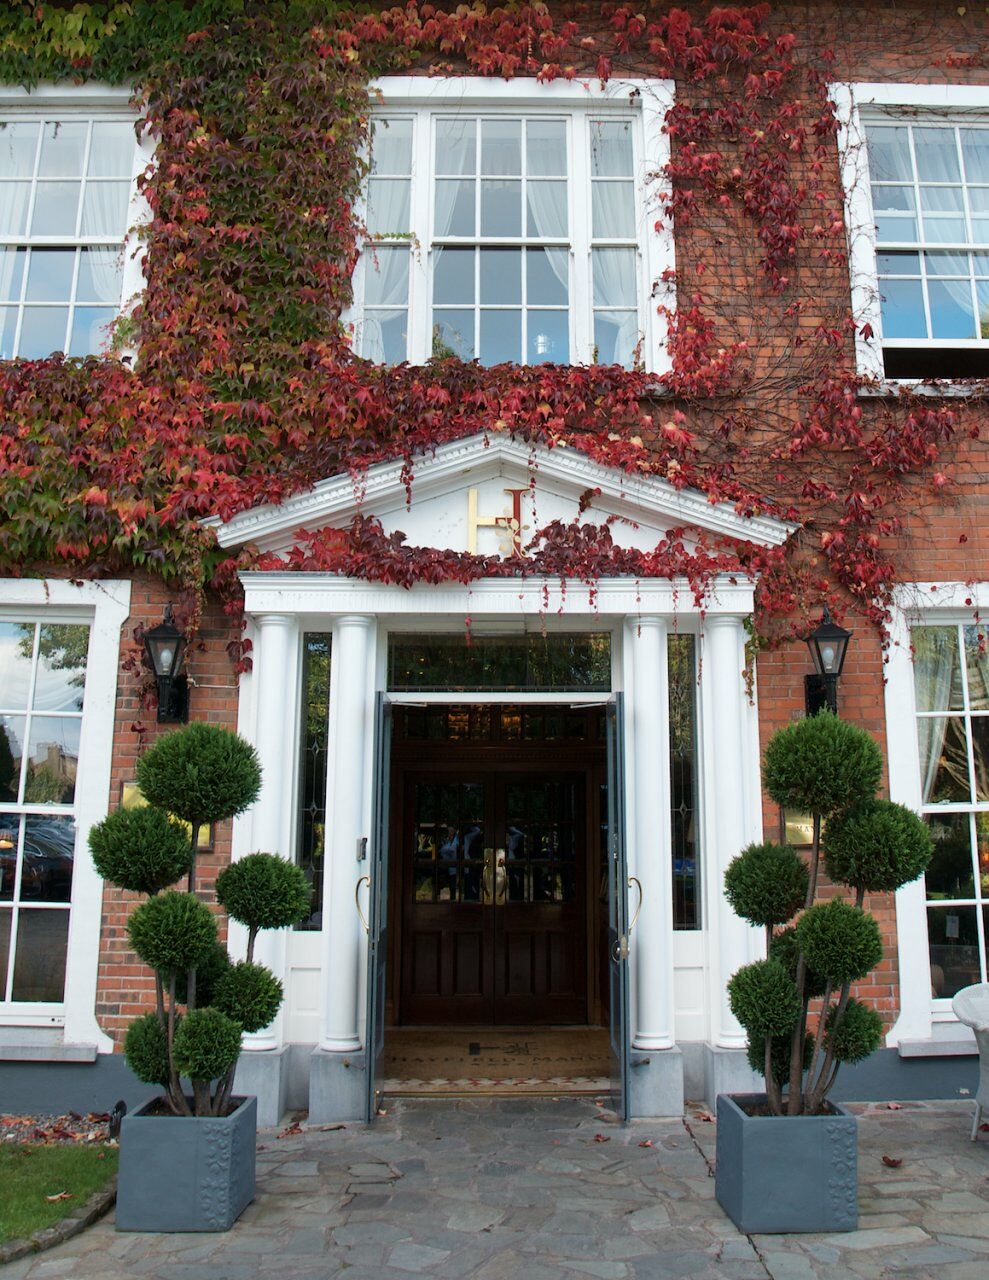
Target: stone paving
x=538 y=1189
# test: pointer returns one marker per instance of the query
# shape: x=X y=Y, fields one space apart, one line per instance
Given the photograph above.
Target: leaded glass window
x=311 y=838
x=684 y=816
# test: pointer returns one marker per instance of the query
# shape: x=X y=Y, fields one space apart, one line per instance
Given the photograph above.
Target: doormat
x=488 y=1060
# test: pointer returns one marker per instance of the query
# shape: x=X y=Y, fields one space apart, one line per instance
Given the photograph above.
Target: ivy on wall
x=246 y=388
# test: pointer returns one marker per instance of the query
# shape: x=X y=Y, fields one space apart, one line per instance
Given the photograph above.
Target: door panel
x=377 y=923
x=540 y=930
x=446 y=971
x=617 y=911
x=494 y=913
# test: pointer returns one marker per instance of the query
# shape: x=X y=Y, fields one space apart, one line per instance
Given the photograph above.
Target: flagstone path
x=539 y=1189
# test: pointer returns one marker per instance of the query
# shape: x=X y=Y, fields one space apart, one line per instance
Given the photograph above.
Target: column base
x=728 y=1071
x=264 y=1073
x=656 y=1083
x=336 y=1086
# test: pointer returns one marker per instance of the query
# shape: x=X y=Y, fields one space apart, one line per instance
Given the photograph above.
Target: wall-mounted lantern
x=165 y=647
x=828 y=644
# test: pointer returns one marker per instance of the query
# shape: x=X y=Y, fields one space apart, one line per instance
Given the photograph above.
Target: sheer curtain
x=386 y=292
x=548 y=210
x=936 y=672
x=614 y=294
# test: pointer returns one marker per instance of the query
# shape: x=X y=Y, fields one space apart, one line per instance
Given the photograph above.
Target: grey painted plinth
x=264 y=1073
x=728 y=1071
x=186 y=1173
x=655 y=1083
x=786 y=1173
x=336 y=1086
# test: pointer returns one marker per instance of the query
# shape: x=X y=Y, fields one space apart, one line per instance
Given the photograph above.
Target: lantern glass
x=165 y=645
x=828 y=643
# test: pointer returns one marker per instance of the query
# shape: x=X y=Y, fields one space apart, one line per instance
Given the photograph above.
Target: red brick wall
x=871 y=41
x=125 y=986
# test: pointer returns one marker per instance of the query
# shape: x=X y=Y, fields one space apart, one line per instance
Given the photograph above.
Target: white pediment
x=465 y=485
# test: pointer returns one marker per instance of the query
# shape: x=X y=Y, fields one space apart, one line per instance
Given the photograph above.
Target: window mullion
x=419 y=325
x=579 y=205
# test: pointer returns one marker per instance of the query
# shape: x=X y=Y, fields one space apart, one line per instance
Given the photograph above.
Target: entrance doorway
x=498 y=867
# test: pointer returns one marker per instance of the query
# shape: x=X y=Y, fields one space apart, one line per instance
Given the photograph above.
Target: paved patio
x=538 y=1189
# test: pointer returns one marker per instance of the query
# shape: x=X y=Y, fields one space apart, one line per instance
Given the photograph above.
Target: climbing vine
x=246 y=388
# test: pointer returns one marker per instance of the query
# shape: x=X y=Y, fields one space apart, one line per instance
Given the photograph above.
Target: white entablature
x=464 y=494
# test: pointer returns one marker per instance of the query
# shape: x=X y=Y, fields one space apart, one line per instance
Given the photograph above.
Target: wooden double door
x=494 y=896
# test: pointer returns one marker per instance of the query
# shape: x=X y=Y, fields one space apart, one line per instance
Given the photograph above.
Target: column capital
x=356 y=620
x=270 y=621
x=721 y=621
x=649 y=620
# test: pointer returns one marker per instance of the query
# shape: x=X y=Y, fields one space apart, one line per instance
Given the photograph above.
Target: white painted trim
x=338 y=499
x=913 y=603
x=329 y=594
x=648 y=100
x=106 y=606
x=92 y=95
x=852 y=102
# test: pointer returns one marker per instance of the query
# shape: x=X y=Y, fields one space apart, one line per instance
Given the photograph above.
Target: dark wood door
x=494 y=904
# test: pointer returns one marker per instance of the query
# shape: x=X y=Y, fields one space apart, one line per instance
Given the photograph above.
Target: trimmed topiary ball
x=840 y=941
x=756 y=1054
x=142 y=850
x=201 y=773
x=858 y=1034
x=821 y=764
x=877 y=846
x=172 y=931
x=264 y=891
x=764 y=1000
x=250 y=994
x=766 y=883
x=784 y=949
x=209 y=971
x=146 y=1050
x=207 y=1044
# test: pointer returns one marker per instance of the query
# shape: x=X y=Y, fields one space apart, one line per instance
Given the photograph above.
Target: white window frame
x=105 y=607
x=923 y=1019
x=856 y=105
x=418 y=97
x=85 y=102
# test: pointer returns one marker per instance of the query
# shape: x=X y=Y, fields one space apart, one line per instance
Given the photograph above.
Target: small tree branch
x=194 y=840
x=819 y=1090
x=177 y=1098
x=818 y=1037
x=252 y=934
x=774 y=1094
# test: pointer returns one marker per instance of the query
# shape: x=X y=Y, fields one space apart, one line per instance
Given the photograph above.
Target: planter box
x=786 y=1173
x=180 y=1173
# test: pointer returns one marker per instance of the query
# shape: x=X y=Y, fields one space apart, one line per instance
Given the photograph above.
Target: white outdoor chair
x=971 y=1006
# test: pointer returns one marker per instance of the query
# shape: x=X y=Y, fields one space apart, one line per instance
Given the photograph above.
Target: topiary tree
x=200 y=775
x=831 y=769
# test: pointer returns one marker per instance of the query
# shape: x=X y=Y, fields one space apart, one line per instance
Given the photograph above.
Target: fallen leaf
x=647 y=1142
x=600 y=1137
x=705 y=1116
x=893 y=1106
x=291 y=1130
x=60 y=1195
x=984 y=1128
x=892 y=1162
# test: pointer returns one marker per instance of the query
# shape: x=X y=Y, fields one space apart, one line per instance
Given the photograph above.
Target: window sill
x=957 y=1048
x=47 y=1053
x=891 y=388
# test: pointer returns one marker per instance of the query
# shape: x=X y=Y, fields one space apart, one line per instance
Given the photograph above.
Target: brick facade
x=871 y=41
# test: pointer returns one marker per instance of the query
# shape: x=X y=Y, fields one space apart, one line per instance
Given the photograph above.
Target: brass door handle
x=501 y=879
x=638 y=906
x=357 y=901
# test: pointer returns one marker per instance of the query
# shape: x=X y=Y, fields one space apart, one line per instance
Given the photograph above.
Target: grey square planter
x=180 y=1173
x=786 y=1173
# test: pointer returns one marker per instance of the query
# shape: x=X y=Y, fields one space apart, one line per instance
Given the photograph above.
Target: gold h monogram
x=510 y=524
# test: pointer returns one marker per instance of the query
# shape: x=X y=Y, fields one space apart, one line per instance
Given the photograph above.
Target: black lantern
x=165 y=647
x=828 y=644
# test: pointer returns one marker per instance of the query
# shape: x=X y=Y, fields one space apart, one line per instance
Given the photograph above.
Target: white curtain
x=104 y=268
x=386 y=285
x=548 y=209
x=104 y=209
x=613 y=210
x=14 y=198
x=936 y=673
x=614 y=289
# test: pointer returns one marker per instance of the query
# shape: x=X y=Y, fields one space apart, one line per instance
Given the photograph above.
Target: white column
x=651 y=941
x=725 y=733
x=275 y=733
x=348 y=797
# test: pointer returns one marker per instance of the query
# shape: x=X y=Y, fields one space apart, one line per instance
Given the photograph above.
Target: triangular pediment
x=464 y=495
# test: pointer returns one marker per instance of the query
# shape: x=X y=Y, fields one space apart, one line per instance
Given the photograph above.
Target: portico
x=489 y=492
